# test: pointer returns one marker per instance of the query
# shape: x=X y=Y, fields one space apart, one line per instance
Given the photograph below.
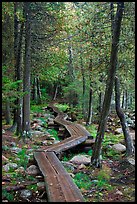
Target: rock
x=81 y=166
x=15 y=149
x=37 y=133
x=13 y=144
x=3 y=131
x=56 y=141
x=131 y=161
x=119 y=192
x=72 y=175
x=119 y=147
x=45 y=142
x=20 y=170
x=41 y=185
x=25 y=194
x=32 y=170
x=71 y=167
x=118 y=131
x=10 y=165
x=80 y=159
x=4 y=159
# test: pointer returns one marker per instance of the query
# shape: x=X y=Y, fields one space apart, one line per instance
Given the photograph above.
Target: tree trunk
x=89 y=118
x=16 y=28
x=126 y=100
x=19 y=88
x=90 y=108
x=121 y=115
x=96 y=157
x=38 y=91
x=56 y=91
x=27 y=64
x=35 y=96
x=123 y=100
x=84 y=88
x=7 y=113
x=71 y=69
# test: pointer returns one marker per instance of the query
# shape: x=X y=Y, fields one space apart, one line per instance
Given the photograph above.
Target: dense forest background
x=62 y=50
x=81 y=57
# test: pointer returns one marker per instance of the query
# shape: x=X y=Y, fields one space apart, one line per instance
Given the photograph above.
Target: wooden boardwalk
x=59 y=185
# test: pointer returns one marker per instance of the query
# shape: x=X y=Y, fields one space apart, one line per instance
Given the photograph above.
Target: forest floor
x=119 y=186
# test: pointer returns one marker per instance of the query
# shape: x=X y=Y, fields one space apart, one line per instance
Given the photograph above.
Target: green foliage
x=92 y=129
x=23 y=158
x=62 y=107
x=82 y=181
x=53 y=133
x=7 y=195
x=36 y=108
x=32 y=187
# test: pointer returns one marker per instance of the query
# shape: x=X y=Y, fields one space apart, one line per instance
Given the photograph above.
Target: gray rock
x=13 y=144
x=81 y=166
x=131 y=161
x=72 y=175
x=32 y=170
x=26 y=194
x=118 y=131
x=37 y=133
x=69 y=166
x=119 y=147
x=45 y=142
x=20 y=170
x=15 y=149
x=56 y=141
x=41 y=185
x=80 y=159
x=10 y=165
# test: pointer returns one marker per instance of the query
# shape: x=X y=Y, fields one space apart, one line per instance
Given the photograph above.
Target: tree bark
x=26 y=78
x=128 y=140
x=19 y=88
x=38 y=91
x=96 y=157
x=7 y=113
x=89 y=118
x=84 y=87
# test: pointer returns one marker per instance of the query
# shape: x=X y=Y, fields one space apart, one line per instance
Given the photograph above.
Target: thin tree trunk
x=27 y=64
x=126 y=100
x=121 y=115
x=96 y=157
x=38 y=91
x=56 y=91
x=90 y=107
x=19 y=88
x=84 y=88
x=35 y=96
x=7 y=113
x=89 y=118
x=123 y=100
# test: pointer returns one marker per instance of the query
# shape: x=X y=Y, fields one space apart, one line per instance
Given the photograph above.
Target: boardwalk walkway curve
x=59 y=185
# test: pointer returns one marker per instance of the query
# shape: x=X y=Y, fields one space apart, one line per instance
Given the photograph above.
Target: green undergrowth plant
x=7 y=195
x=23 y=158
x=82 y=180
x=62 y=107
x=92 y=129
x=53 y=133
x=103 y=178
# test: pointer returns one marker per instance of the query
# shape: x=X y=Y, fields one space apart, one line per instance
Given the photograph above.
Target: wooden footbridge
x=59 y=184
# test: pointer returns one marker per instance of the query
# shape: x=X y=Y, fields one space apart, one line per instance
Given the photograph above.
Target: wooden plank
x=69 y=189
x=52 y=184
x=72 y=142
x=59 y=185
